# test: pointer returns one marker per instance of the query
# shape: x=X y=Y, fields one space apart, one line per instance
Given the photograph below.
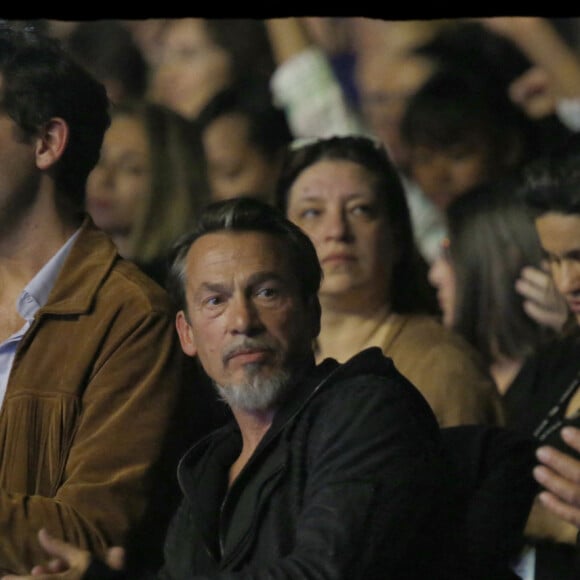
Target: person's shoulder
x=425 y=348
x=367 y=395
x=427 y=332
x=370 y=362
x=95 y=271
x=126 y=277
x=371 y=376
x=95 y=281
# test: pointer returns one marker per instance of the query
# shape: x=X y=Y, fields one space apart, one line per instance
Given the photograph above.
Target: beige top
x=442 y=365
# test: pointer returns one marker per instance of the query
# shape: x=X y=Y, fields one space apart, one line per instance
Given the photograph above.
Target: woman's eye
x=310 y=212
x=364 y=210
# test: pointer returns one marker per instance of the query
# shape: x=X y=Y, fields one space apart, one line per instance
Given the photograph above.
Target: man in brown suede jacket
x=89 y=364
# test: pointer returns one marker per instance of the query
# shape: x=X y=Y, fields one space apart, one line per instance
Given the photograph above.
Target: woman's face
x=442 y=277
x=122 y=178
x=334 y=202
x=192 y=67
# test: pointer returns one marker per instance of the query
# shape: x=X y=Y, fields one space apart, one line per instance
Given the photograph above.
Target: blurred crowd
x=401 y=142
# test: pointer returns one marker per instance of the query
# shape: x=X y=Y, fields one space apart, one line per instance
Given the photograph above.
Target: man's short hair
x=245 y=214
x=457 y=107
x=552 y=183
x=40 y=81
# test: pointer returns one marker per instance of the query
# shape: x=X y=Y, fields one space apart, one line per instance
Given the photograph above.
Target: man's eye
x=213 y=301
x=268 y=292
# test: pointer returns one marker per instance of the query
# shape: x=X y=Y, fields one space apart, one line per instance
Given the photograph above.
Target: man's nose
x=440 y=171
x=243 y=316
x=568 y=278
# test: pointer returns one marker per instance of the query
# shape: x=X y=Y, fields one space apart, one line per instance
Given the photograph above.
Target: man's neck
x=26 y=246
x=253 y=426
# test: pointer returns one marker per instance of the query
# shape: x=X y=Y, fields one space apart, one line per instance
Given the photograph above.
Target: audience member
x=244 y=137
x=551 y=83
x=149 y=183
x=147 y=34
x=330 y=470
x=491 y=239
x=500 y=61
x=385 y=84
x=305 y=85
x=346 y=195
x=200 y=56
x=551 y=190
x=387 y=72
x=559 y=474
x=334 y=36
x=471 y=45
x=462 y=131
x=109 y=52
x=90 y=378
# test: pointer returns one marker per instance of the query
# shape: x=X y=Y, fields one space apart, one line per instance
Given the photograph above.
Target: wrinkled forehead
x=224 y=255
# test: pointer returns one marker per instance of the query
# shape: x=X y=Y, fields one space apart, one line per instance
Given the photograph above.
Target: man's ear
x=51 y=142
x=185 y=334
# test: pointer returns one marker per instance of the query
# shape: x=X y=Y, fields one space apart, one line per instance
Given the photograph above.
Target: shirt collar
x=36 y=293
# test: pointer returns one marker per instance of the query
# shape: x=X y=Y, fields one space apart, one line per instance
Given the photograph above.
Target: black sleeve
x=495 y=491
x=98 y=570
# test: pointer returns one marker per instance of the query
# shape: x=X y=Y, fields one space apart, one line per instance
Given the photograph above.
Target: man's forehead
x=228 y=252
x=234 y=238
x=559 y=231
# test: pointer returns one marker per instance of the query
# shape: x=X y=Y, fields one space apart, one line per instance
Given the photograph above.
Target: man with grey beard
x=326 y=471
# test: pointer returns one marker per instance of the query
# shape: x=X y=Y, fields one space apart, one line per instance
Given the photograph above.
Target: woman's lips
x=100 y=204
x=338 y=258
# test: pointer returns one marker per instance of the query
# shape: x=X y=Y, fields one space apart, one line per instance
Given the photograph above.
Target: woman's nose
x=336 y=225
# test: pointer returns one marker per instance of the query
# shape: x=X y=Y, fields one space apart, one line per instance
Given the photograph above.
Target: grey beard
x=256 y=393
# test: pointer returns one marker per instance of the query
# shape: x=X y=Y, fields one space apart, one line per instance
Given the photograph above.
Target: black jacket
x=345 y=484
x=350 y=482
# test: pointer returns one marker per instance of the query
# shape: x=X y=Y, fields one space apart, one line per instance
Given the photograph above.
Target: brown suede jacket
x=89 y=404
